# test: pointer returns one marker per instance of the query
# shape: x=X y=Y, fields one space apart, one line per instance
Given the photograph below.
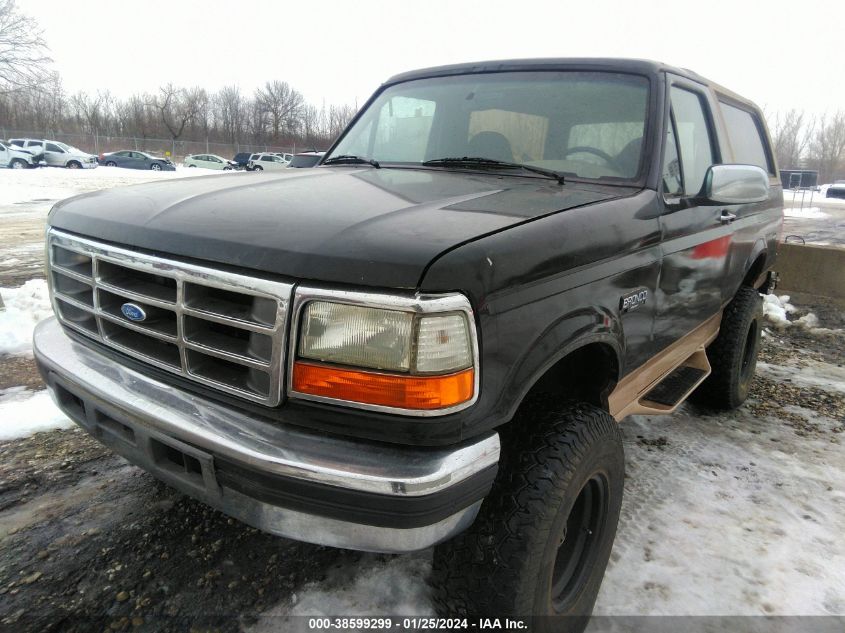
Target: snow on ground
x=723 y=514
x=809 y=213
x=811 y=198
x=24 y=412
x=48 y=184
x=25 y=306
x=808 y=373
x=775 y=309
x=396 y=586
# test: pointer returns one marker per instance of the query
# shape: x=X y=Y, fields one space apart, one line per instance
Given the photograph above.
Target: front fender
x=564 y=336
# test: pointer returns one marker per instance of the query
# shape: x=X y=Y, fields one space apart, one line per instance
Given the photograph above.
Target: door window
x=54 y=148
x=745 y=138
x=693 y=138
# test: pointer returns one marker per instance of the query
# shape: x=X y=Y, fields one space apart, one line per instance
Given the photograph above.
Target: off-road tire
x=733 y=354
x=503 y=565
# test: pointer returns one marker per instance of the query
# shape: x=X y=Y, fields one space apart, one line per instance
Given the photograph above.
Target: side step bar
x=674 y=388
x=662 y=384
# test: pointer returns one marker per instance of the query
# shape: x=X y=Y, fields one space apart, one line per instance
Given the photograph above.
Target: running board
x=671 y=389
x=660 y=387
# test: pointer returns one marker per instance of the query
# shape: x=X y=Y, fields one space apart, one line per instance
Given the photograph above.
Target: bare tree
x=177 y=107
x=91 y=109
x=229 y=109
x=23 y=52
x=827 y=150
x=791 y=134
x=283 y=104
x=339 y=118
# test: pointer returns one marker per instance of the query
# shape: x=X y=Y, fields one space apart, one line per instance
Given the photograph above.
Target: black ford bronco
x=430 y=339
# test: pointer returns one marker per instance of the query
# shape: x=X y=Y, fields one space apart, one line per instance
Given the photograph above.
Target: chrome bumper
x=266 y=474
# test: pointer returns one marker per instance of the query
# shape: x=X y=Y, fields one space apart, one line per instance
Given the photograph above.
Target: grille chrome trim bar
x=255 y=379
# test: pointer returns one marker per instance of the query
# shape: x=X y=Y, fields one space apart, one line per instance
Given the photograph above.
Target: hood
x=354 y=225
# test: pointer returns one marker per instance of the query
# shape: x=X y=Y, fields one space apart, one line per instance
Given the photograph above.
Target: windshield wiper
x=349 y=158
x=479 y=161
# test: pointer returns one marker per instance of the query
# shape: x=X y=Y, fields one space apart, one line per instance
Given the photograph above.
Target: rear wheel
x=18 y=163
x=541 y=542
x=111 y=163
x=191 y=165
x=733 y=355
x=258 y=168
x=74 y=165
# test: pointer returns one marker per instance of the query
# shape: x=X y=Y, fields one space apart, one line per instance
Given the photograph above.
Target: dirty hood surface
x=354 y=225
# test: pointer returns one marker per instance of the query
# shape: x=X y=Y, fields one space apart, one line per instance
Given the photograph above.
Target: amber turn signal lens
x=388 y=390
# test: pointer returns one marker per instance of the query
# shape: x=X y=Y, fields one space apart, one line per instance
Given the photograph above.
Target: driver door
x=696 y=242
x=54 y=155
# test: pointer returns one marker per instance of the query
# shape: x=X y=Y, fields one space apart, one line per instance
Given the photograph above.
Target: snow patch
x=372 y=586
x=776 y=308
x=811 y=374
x=44 y=186
x=25 y=306
x=806 y=212
x=24 y=412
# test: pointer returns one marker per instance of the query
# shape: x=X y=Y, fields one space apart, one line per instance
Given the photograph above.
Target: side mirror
x=736 y=184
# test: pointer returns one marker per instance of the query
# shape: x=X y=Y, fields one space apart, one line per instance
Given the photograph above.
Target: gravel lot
x=724 y=514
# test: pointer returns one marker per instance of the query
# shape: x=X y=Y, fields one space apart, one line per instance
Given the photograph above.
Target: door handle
x=727 y=217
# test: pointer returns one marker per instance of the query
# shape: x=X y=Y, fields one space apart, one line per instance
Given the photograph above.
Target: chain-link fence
x=176 y=150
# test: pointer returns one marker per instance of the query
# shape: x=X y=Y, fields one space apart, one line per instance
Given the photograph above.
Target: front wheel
x=733 y=354
x=17 y=163
x=541 y=542
x=155 y=167
x=74 y=165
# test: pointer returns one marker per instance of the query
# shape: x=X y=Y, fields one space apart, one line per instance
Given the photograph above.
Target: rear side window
x=745 y=137
x=693 y=138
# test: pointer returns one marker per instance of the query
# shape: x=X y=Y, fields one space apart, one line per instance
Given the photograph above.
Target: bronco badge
x=133 y=312
x=633 y=300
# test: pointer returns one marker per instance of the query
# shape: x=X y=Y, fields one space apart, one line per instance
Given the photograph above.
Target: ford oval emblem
x=133 y=312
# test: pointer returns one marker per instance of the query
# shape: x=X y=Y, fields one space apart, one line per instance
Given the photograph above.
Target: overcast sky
x=780 y=54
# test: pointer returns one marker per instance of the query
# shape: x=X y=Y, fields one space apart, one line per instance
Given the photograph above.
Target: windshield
x=586 y=124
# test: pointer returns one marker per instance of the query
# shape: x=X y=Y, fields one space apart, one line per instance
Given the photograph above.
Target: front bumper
x=305 y=486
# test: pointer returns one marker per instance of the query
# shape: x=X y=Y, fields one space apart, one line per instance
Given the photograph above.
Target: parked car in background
x=241 y=159
x=131 y=159
x=285 y=155
x=209 y=161
x=306 y=159
x=57 y=154
x=260 y=162
x=836 y=190
x=15 y=157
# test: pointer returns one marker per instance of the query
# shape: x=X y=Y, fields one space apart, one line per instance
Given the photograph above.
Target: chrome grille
x=214 y=327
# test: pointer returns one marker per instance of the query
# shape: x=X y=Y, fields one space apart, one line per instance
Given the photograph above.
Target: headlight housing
x=416 y=356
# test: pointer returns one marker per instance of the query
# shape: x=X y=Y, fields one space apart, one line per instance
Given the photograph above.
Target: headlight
x=384 y=357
